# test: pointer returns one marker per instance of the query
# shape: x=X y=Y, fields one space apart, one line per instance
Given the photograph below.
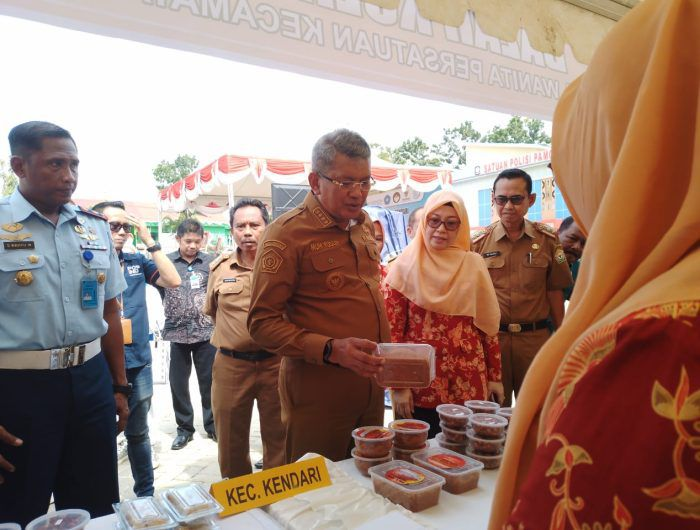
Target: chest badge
x=101 y=277
x=24 y=278
x=12 y=227
x=535 y=246
x=80 y=229
x=81 y=219
x=335 y=281
x=33 y=259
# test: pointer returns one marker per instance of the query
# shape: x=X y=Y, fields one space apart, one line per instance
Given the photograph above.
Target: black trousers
x=66 y=419
x=181 y=358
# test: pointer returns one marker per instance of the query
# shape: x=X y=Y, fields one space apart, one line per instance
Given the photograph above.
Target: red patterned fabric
x=465 y=358
x=623 y=436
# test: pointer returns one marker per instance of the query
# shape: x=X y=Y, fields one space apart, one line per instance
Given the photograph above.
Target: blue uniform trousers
x=67 y=421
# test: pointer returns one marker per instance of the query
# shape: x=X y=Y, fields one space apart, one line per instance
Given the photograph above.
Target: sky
x=131 y=105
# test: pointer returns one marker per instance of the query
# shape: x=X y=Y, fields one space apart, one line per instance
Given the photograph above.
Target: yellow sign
x=260 y=489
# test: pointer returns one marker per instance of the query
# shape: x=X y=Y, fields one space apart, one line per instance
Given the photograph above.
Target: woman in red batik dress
x=606 y=434
x=440 y=293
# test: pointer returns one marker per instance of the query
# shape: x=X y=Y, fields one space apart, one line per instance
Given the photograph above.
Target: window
x=535 y=211
x=485 y=207
x=560 y=209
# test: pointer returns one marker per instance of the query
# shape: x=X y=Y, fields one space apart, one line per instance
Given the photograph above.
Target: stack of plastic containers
x=410 y=436
x=372 y=447
x=454 y=421
x=192 y=507
x=486 y=439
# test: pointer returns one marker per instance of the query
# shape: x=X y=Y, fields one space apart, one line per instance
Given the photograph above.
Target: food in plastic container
x=409 y=434
x=190 y=502
x=478 y=406
x=488 y=425
x=489 y=461
x=144 y=512
x=407 y=484
x=405 y=454
x=454 y=416
x=70 y=519
x=506 y=412
x=461 y=473
x=406 y=365
x=363 y=464
x=487 y=446
x=457 y=448
x=454 y=436
x=373 y=442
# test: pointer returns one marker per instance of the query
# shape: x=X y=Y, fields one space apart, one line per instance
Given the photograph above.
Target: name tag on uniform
x=18 y=245
x=492 y=254
x=88 y=293
x=195 y=282
x=230 y=280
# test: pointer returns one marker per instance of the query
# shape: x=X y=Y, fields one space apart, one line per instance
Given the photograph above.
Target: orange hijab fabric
x=626 y=156
x=453 y=281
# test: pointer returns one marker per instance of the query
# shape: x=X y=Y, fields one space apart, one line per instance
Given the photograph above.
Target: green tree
x=518 y=131
x=451 y=150
x=414 y=151
x=9 y=180
x=166 y=172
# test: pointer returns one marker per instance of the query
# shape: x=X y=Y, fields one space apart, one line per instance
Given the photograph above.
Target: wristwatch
x=126 y=389
x=154 y=248
x=327 y=351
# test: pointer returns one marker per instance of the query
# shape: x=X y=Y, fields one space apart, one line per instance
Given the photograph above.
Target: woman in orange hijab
x=606 y=433
x=440 y=293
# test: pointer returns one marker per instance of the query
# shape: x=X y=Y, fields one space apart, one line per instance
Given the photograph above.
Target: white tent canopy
x=502 y=55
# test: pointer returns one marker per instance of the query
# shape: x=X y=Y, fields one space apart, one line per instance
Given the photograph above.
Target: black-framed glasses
x=347 y=185
x=502 y=200
x=450 y=224
x=115 y=227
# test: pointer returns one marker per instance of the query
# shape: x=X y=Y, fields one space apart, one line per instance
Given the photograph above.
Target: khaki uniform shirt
x=523 y=271
x=227 y=303
x=314 y=281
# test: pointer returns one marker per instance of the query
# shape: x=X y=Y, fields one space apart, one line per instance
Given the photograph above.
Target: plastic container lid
x=477 y=405
x=409 y=426
x=506 y=412
x=443 y=461
x=373 y=434
x=10 y=526
x=144 y=512
x=471 y=435
x=457 y=447
x=406 y=365
x=71 y=519
x=190 y=502
x=494 y=422
x=453 y=411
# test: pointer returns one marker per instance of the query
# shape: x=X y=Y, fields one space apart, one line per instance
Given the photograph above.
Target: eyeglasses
x=347 y=185
x=450 y=224
x=116 y=227
x=502 y=200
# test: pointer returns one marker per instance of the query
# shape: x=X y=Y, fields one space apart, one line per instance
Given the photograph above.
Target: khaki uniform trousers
x=321 y=405
x=517 y=352
x=236 y=384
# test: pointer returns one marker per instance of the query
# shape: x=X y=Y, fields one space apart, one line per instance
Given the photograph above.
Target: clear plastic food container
x=454 y=416
x=460 y=472
x=487 y=446
x=141 y=513
x=363 y=463
x=10 y=526
x=478 y=406
x=407 y=484
x=506 y=412
x=409 y=434
x=190 y=502
x=453 y=436
x=488 y=425
x=457 y=448
x=489 y=461
x=406 y=365
x=71 y=519
x=373 y=441
x=405 y=454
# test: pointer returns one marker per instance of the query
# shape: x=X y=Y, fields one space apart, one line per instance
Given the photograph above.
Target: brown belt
x=526 y=326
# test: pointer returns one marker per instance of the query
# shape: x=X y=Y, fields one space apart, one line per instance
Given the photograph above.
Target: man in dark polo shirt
x=138 y=271
x=188 y=329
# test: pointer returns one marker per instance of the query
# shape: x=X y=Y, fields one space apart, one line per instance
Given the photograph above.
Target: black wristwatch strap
x=154 y=248
x=126 y=389
x=327 y=351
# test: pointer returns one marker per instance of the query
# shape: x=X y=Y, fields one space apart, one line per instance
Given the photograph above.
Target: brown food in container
x=488 y=425
x=457 y=448
x=454 y=416
x=409 y=434
x=460 y=472
x=484 y=446
x=478 y=406
x=403 y=483
x=363 y=464
x=373 y=441
x=489 y=461
x=453 y=436
x=405 y=454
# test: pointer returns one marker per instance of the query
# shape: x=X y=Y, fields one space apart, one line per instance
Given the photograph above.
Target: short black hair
x=27 y=137
x=190 y=226
x=514 y=173
x=101 y=206
x=565 y=224
x=242 y=203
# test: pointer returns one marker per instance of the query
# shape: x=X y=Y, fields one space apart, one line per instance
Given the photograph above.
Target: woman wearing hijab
x=440 y=293
x=606 y=433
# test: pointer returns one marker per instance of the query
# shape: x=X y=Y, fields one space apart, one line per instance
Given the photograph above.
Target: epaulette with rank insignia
x=545 y=229
x=92 y=212
x=220 y=259
x=481 y=234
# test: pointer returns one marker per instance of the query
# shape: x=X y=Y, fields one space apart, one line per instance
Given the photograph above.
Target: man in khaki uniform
x=316 y=302
x=529 y=270
x=242 y=372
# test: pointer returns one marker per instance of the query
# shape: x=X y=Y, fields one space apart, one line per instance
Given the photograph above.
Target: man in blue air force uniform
x=62 y=377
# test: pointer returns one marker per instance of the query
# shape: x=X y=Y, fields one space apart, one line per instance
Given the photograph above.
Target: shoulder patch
x=219 y=260
x=322 y=217
x=270 y=261
x=274 y=243
x=480 y=234
x=92 y=213
x=545 y=229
